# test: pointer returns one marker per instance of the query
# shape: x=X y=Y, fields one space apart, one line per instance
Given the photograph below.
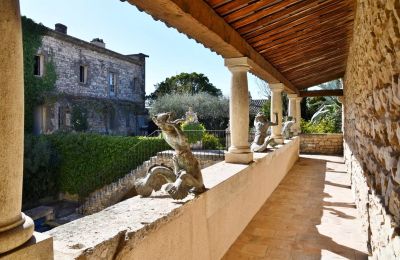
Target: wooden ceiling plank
x=257 y=10
x=322 y=93
x=311 y=38
x=288 y=15
x=300 y=27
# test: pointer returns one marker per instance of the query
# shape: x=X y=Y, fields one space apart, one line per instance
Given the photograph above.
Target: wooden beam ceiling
x=322 y=93
x=299 y=43
x=306 y=40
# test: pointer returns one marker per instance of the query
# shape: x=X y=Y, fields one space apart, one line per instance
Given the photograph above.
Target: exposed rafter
x=322 y=93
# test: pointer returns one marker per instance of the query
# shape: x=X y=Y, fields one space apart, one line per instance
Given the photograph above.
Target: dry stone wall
x=321 y=143
x=372 y=123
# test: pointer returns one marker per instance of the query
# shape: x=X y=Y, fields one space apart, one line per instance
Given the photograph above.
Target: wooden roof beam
x=322 y=93
x=198 y=20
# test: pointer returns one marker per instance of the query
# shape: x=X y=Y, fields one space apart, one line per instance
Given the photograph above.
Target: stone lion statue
x=261 y=138
x=186 y=175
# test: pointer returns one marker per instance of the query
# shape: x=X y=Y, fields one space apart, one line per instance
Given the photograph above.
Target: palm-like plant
x=326 y=108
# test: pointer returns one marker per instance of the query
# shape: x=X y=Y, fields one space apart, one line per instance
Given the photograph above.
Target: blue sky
x=126 y=30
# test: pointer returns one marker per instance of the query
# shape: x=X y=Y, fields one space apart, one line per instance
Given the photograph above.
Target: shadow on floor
x=310 y=215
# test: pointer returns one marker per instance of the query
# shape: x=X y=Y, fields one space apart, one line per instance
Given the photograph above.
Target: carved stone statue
x=261 y=139
x=186 y=175
x=287 y=131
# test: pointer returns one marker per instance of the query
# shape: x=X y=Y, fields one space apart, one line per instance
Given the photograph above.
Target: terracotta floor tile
x=311 y=215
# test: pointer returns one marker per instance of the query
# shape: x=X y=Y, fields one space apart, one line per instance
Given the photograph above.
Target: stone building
x=96 y=90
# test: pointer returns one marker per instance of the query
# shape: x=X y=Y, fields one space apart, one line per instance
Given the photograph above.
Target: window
x=38 y=65
x=112 y=79
x=135 y=84
x=83 y=74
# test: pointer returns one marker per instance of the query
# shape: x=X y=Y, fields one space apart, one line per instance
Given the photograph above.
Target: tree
x=211 y=111
x=185 y=83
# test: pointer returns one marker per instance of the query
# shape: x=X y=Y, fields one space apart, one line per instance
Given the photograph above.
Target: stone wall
x=321 y=143
x=372 y=123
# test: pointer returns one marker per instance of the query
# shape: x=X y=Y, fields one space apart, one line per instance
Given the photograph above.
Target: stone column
x=298 y=114
x=276 y=107
x=15 y=227
x=239 y=150
x=293 y=110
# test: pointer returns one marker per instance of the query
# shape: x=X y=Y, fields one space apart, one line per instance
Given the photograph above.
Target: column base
x=39 y=246
x=241 y=158
x=16 y=236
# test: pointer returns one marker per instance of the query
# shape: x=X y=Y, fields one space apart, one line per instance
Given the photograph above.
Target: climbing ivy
x=36 y=88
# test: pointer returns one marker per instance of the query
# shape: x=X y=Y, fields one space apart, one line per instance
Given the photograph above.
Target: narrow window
x=38 y=65
x=111 y=83
x=135 y=84
x=82 y=74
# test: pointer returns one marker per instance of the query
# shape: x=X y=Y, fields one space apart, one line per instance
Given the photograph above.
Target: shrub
x=193 y=131
x=325 y=125
x=41 y=163
x=212 y=111
x=211 y=142
x=90 y=161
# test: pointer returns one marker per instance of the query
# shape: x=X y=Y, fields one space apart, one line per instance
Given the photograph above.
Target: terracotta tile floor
x=311 y=215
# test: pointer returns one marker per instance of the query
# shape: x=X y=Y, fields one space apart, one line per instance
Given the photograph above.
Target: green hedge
x=41 y=165
x=79 y=163
x=90 y=161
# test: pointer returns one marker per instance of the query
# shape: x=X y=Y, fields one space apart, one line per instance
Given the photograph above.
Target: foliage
x=185 y=83
x=266 y=107
x=211 y=142
x=325 y=125
x=90 y=161
x=193 y=131
x=41 y=163
x=79 y=118
x=212 y=111
x=35 y=87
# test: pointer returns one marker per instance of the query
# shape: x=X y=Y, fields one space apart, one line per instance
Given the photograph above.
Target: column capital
x=292 y=96
x=238 y=64
x=299 y=99
x=276 y=87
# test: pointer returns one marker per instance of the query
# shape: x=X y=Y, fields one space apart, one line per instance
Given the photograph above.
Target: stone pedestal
x=239 y=151
x=293 y=111
x=15 y=227
x=276 y=107
x=298 y=114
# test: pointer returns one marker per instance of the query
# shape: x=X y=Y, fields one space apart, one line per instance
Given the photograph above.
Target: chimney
x=98 y=42
x=59 y=27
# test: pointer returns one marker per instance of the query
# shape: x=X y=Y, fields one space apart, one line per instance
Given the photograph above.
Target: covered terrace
x=292 y=45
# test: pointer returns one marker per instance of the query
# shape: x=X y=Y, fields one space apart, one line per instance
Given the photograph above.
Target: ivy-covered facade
x=74 y=85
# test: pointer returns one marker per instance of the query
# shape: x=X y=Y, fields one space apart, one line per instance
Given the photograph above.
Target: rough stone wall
x=68 y=54
x=321 y=143
x=372 y=123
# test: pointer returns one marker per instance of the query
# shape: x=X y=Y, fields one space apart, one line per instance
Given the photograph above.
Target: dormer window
x=83 y=74
x=38 y=65
x=112 y=80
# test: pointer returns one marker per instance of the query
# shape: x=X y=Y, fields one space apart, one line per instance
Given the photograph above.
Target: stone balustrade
x=201 y=227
